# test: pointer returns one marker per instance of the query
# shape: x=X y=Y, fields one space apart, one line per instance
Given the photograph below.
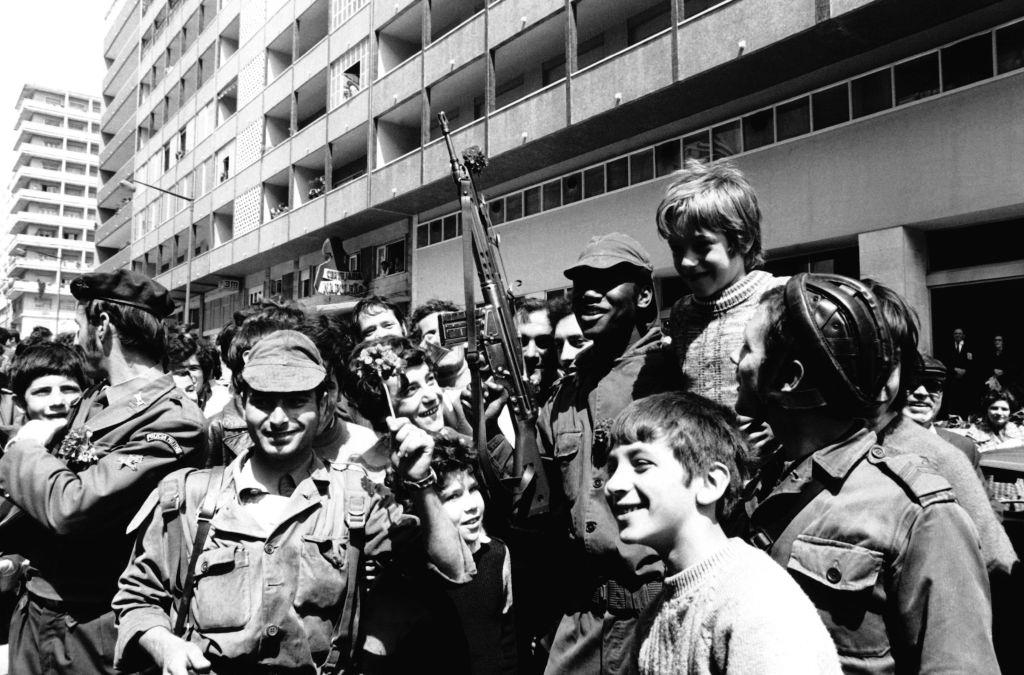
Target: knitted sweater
x=735 y=612
x=706 y=331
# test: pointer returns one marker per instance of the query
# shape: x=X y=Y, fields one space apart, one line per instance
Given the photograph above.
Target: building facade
x=51 y=214
x=883 y=137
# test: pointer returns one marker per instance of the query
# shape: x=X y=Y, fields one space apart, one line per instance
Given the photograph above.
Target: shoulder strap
x=346 y=637
x=206 y=511
x=765 y=529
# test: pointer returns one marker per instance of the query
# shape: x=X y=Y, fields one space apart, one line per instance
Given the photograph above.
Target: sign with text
x=339 y=282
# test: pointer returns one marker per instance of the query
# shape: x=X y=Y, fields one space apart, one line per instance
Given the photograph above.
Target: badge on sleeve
x=131 y=462
x=166 y=439
x=137 y=402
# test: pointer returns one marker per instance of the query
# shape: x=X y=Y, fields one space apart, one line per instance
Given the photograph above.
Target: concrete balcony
x=510 y=17
x=120 y=260
x=393 y=286
x=115 y=232
x=112 y=192
x=120 y=148
x=437 y=164
x=640 y=70
x=528 y=119
x=385 y=10
x=400 y=176
x=398 y=85
x=455 y=49
x=17 y=287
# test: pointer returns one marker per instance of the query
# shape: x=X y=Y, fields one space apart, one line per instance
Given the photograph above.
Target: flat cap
x=609 y=250
x=124 y=287
x=930 y=367
x=284 y=361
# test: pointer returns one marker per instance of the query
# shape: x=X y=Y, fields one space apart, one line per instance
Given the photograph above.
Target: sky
x=56 y=43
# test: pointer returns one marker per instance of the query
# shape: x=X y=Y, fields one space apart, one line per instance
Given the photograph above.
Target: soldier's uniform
x=75 y=498
x=879 y=544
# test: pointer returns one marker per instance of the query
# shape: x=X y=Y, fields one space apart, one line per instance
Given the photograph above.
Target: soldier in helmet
x=77 y=481
x=875 y=538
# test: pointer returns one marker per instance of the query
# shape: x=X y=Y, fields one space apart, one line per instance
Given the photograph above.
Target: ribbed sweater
x=706 y=331
x=735 y=612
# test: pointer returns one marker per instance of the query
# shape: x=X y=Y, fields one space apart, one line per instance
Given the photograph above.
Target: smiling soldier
x=608 y=582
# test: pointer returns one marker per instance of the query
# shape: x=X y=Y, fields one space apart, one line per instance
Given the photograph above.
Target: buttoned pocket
x=567 y=444
x=222 y=596
x=842 y=581
x=321 y=582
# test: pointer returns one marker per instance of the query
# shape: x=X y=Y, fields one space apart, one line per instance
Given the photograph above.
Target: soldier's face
x=535 y=336
x=50 y=397
x=282 y=425
x=569 y=341
x=605 y=301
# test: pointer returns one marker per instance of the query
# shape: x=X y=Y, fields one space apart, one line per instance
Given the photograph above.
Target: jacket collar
x=837 y=460
x=128 y=399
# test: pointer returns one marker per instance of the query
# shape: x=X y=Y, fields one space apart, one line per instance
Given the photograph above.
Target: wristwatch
x=429 y=480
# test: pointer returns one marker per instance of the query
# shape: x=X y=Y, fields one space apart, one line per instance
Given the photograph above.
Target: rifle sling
x=206 y=511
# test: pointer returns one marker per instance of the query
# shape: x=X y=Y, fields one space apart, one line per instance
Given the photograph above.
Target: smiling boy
x=675 y=470
x=712 y=223
x=47 y=378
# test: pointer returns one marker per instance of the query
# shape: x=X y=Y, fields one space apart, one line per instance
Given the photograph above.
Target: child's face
x=648 y=494
x=50 y=397
x=464 y=505
x=418 y=397
x=704 y=262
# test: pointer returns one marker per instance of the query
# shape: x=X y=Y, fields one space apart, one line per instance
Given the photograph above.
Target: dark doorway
x=983 y=310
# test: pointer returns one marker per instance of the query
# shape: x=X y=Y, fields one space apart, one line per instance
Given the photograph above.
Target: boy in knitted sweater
x=675 y=471
x=711 y=221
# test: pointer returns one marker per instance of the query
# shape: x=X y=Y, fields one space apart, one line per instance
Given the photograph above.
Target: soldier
x=77 y=485
x=608 y=582
x=280 y=563
x=874 y=537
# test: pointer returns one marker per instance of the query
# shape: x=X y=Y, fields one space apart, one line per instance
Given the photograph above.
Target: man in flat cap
x=279 y=567
x=924 y=400
x=77 y=482
x=609 y=583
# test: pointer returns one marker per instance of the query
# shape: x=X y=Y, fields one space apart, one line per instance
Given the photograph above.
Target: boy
x=46 y=379
x=712 y=223
x=674 y=474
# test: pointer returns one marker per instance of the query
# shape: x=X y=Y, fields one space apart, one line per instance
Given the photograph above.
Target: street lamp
x=130 y=184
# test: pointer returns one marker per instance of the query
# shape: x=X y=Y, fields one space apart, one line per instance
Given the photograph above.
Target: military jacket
x=76 y=498
x=887 y=556
x=265 y=595
x=574 y=426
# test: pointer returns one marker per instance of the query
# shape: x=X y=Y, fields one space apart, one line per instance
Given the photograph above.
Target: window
x=667 y=158
x=54 y=100
x=593 y=182
x=1010 y=47
x=353 y=263
x=871 y=93
x=641 y=167
x=75 y=146
x=697 y=146
x=165 y=153
x=572 y=188
x=341 y=10
x=726 y=140
x=552 y=195
x=73 y=213
x=77 y=125
x=967 y=61
x=451 y=226
x=617 y=174
x=694 y=7
x=793 y=118
x=436 y=231
x=915 y=79
x=69 y=167
x=74 y=190
x=831 y=107
x=391 y=258
x=514 y=206
x=648 y=22
x=531 y=201
x=348 y=75
x=758 y=130
x=182 y=142
x=496 y=211
x=422 y=235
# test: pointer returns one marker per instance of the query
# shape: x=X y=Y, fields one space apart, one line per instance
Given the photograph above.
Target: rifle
x=498 y=332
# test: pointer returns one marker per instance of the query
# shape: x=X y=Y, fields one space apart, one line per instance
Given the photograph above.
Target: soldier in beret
x=77 y=482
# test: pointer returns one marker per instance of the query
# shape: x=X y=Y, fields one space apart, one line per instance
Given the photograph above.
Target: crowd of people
x=764 y=485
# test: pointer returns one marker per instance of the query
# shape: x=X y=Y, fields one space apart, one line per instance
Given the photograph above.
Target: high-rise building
x=883 y=137
x=51 y=214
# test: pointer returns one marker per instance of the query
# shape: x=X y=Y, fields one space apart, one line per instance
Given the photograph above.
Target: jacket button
x=271 y=630
x=877 y=452
x=268 y=549
x=591 y=526
x=205 y=566
x=834 y=575
x=598 y=483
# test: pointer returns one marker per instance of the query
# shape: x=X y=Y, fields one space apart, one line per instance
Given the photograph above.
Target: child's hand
x=413 y=450
x=40 y=431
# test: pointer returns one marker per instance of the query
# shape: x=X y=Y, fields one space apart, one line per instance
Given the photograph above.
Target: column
x=898 y=258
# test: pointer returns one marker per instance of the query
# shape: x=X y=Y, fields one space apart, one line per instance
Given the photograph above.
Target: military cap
x=124 y=287
x=609 y=250
x=930 y=368
x=284 y=361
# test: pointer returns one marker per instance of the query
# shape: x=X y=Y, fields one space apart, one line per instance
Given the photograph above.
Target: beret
x=124 y=287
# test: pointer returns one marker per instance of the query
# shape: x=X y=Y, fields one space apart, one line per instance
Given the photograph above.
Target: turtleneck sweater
x=706 y=331
x=737 y=611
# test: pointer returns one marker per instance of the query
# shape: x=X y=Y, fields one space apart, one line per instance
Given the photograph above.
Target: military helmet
x=841 y=336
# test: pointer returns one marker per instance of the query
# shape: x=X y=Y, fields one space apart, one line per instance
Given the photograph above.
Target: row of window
x=60 y=101
x=945 y=69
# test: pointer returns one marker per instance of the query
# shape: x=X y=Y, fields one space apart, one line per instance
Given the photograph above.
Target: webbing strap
x=765 y=528
x=206 y=512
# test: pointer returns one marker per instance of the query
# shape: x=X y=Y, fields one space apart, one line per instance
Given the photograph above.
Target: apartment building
x=50 y=218
x=883 y=137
